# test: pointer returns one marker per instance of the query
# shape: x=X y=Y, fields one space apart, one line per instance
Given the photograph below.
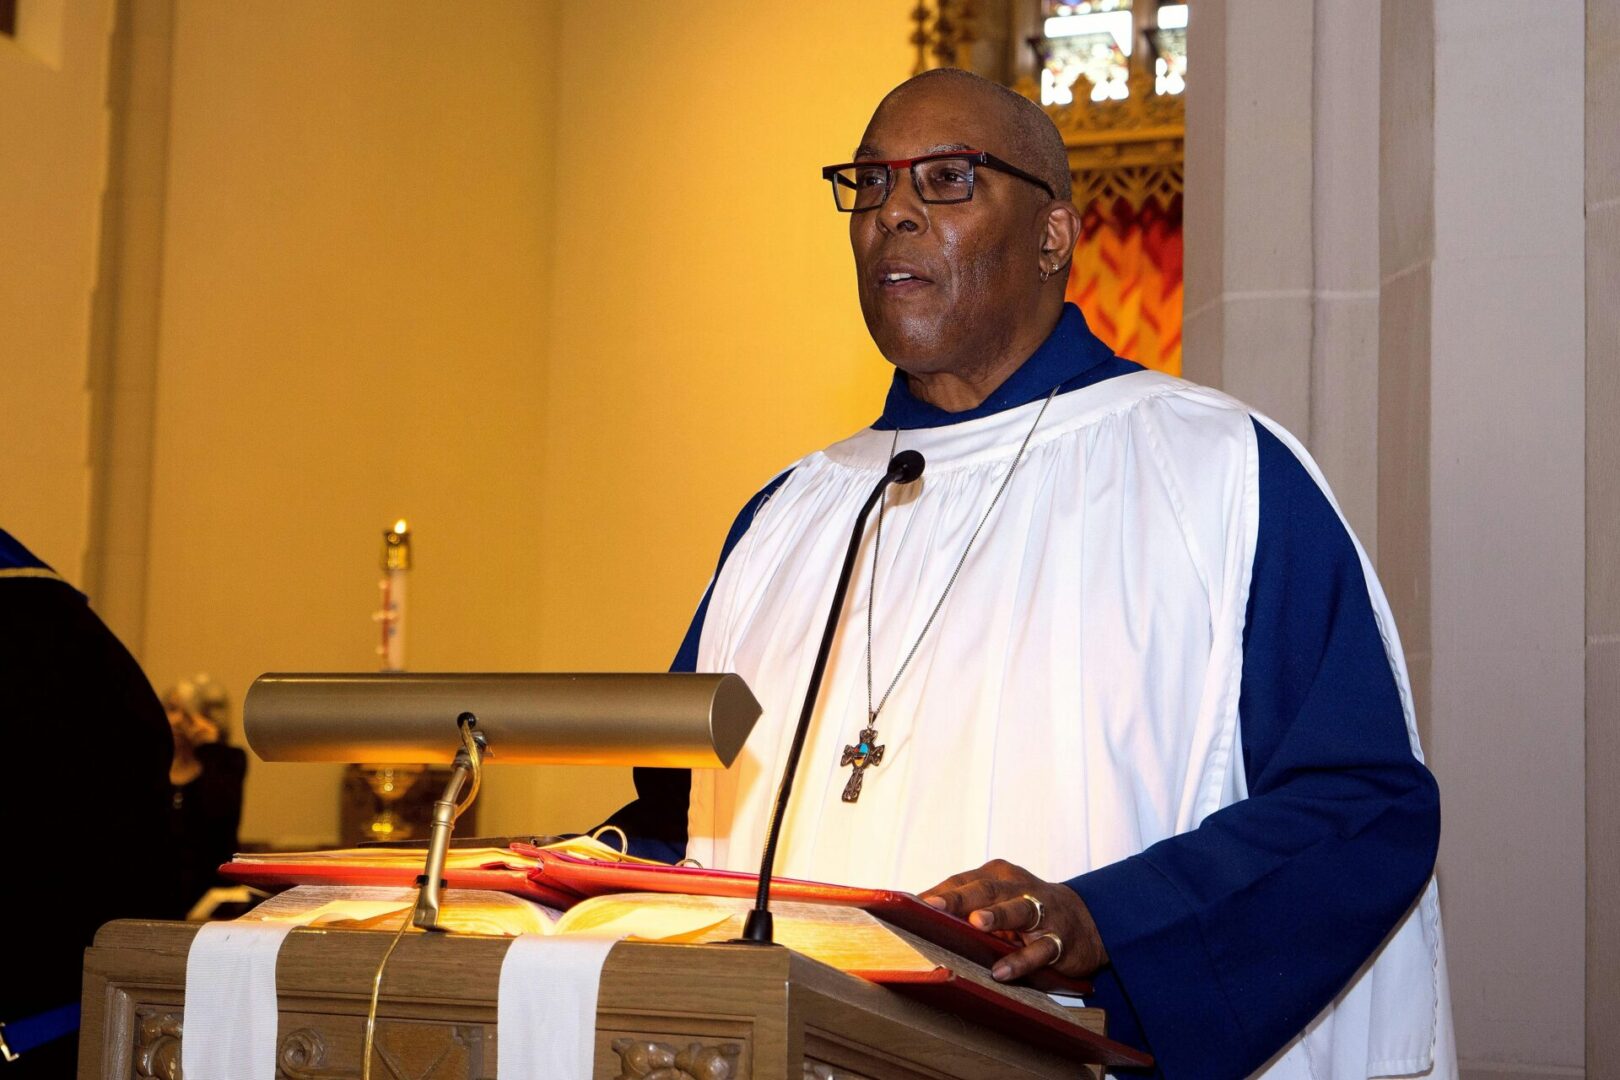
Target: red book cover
x=949 y=992
x=497 y=878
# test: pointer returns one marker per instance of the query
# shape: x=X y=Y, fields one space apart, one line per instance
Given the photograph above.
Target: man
x=84 y=804
x=1116 y=649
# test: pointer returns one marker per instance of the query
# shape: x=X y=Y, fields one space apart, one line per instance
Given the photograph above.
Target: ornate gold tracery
x=1131 y=149
x=1125 y=156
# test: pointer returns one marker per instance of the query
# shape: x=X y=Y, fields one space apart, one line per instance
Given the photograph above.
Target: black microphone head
x=906 y=466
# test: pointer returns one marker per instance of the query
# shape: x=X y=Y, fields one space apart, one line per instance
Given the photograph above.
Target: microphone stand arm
x=759 y=928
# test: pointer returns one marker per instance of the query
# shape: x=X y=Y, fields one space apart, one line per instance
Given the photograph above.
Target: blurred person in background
x=205 y=784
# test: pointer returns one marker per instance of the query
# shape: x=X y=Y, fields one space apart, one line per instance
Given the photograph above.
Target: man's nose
x=903 y=210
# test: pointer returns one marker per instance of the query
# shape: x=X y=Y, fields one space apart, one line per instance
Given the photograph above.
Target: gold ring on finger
x=1040 y=912
x=1054 y=939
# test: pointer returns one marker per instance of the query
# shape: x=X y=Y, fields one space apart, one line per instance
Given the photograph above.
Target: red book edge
x=514 y=880
x=594 y=877
x=947 y=991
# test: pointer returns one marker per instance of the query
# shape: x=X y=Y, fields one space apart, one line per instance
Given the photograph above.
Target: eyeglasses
x=937 y=178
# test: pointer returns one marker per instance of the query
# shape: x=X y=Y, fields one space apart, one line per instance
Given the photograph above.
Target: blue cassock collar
x=1071 y=357
x=13 y=556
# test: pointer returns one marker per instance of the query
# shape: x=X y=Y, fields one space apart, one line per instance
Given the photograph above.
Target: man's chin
x=914 y=350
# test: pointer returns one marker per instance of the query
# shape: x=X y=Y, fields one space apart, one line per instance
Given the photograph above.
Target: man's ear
x=1060 y=231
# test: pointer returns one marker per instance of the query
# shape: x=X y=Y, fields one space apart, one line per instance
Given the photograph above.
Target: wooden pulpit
x=665 y=1012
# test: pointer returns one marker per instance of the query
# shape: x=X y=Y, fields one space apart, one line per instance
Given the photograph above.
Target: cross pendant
x=859 y=757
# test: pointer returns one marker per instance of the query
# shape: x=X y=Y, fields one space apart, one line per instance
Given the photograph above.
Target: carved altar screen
x=1111 y=74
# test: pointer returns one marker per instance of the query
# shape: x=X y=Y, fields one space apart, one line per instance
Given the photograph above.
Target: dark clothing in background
x=203 y=819
x=83 y=830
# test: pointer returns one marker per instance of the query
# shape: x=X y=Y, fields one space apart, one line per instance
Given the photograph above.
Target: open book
x=563 y=874
x=847 y=938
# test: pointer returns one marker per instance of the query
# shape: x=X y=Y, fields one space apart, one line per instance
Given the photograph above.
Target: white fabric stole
x=546 y=1012
x=545 y=1008
x=231 y=1011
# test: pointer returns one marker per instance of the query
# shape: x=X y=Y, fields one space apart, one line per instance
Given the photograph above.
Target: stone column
x=1602 y=535
x=1506 y=504
x=1281 y=213
x=1249 y=270
x=124 y=338
x=1406 y=258
x=1436 y=366
x=1344 y=374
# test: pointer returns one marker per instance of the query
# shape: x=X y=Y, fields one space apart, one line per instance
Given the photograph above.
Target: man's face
x=974 y=265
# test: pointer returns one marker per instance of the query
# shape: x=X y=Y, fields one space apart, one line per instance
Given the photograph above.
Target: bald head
x=1032 y=141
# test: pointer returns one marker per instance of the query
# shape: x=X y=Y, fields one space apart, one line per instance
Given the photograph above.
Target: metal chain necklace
x=866 y=752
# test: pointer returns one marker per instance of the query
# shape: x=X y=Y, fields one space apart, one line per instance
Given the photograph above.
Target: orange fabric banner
x=1126 y=277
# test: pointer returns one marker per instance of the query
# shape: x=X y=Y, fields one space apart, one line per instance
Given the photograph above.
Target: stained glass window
x=1096 y=39
x=1170 y=47
x=1113 y=73
x=1093 y=38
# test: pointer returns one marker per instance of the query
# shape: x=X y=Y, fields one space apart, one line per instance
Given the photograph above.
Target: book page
x=463 y=911
x=846 y=938
x=648 y=917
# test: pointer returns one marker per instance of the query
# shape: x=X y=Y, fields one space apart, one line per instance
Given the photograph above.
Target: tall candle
x=396 y=562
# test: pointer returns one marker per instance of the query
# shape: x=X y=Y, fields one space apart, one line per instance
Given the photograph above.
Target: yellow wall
x=53 y=156
x=559 y=282
x=354 y=328
x=706 y=328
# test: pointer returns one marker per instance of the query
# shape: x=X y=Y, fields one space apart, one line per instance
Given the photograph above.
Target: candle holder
x=389 y=784
x=397 y=809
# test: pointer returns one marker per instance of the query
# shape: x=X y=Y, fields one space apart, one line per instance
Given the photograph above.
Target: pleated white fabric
x=231 y=1006
x=1077 y=699
x=546 y=1012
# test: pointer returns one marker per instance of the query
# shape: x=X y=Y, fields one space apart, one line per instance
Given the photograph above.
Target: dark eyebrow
x=867 y=150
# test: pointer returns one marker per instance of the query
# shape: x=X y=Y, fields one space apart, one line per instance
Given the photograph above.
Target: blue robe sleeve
x=655 y=821
x=1225 y=941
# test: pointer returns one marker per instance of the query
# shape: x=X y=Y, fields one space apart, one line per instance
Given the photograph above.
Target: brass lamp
x=675 y=721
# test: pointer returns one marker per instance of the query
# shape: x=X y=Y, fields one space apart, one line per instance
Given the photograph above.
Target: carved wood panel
x=404 y=1051
x=645 y=1059
x=329 y=1048
x=157 y=1045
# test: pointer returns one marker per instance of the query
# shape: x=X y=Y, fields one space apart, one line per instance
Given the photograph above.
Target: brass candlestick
x=389 y=784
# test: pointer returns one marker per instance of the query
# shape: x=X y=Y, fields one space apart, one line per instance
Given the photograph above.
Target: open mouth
x=895 y=280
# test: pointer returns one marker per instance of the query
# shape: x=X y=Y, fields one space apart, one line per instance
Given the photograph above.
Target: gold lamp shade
x=675 y=721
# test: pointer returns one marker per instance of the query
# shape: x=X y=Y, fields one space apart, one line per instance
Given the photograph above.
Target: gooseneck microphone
x=904 y=467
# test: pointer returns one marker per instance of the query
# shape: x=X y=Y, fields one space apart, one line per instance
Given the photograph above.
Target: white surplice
x=1077 y=698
